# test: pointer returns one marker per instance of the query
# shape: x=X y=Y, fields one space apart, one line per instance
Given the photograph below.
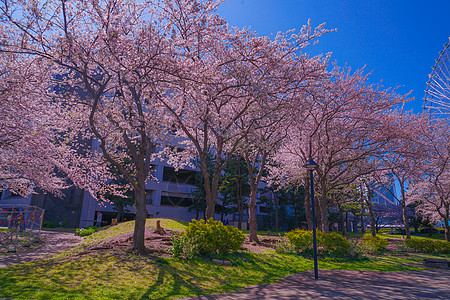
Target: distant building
x=385 y=195
x=168 y=197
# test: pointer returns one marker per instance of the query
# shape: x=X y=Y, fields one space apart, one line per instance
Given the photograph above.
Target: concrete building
x=170 y=196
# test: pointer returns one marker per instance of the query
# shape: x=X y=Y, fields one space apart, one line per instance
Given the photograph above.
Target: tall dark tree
x=283 y=201
x=234 y=186
x=124 y=197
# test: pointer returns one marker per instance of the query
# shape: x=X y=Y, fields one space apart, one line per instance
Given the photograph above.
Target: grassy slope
x=130 y=276
x=126 y=227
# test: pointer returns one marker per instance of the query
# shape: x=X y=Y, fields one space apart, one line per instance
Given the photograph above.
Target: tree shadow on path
x=332 y=284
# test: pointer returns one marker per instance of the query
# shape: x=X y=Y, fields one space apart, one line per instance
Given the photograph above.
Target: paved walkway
x=428 y=284
x=52 y=242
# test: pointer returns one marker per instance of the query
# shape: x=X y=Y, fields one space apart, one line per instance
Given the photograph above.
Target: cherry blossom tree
x=401 y=157
x=28 y=131
x=226 y=76
x=343 y=127
x=273 y=120
x=134 y=72
x=433 y=198
x=431 y=187
x=107 y=59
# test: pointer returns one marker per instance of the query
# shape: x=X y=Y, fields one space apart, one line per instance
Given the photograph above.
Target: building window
x=181 y=176
x=175 y=201
x=149 y=197
x=264 y=209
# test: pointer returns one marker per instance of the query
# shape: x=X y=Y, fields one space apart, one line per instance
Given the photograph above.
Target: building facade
x=169 y=196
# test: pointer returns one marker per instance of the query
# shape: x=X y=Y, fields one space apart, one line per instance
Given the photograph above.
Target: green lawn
x=266 y=232
x=125 y=275
x=385 y=234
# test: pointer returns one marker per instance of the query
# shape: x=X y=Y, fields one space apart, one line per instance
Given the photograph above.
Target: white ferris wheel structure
x=437 y=94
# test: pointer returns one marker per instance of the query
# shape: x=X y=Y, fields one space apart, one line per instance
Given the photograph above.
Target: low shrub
x=372 y=245
x=191 y=247
x=183 y=245
x=211 y=238
x=177 y=245
x=333 y=243
x=327 y=243
x=302 y=240
x=284 y=246
x=429 y=230
x=354 y=249
x=46 y=224
x=427 y=245
x=86 y=231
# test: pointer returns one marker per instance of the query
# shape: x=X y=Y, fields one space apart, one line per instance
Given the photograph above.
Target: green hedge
x=331 y=243
x=428 y=245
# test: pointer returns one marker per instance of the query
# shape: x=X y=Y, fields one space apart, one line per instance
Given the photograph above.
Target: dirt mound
x=55 y=242
x=154 y=242
x=158 y=244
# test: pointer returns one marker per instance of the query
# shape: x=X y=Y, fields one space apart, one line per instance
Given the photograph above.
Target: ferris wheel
x=437 y=94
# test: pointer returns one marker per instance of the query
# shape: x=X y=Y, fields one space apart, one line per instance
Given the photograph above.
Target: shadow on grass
x=131 y=276
x=179 y=281
x=200 y=276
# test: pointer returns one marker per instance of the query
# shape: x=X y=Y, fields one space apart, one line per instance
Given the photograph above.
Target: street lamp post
x=311 y=165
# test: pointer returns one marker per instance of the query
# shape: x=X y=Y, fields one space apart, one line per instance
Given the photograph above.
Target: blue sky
x=398 y=41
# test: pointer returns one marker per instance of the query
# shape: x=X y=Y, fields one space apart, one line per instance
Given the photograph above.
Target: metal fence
x=20 y=226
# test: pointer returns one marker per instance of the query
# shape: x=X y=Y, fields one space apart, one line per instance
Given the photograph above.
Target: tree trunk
x=318 y=213
x=323 y=210
x=447 y=230
x=324 y=216
x=211 y=200
x=252 y=205
x=139 y=225
x=308 y=203
x=209 y=189
x=341 y=214
x=222 y=211
x=240 y=203
x=254 y=182
x=252 y=216
x=295 y=214
x=210 y=209
x=372 y=217
x=346 y=222
x=275 y=200
x=405 y=217
x=119 y=215
x=363 y=227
